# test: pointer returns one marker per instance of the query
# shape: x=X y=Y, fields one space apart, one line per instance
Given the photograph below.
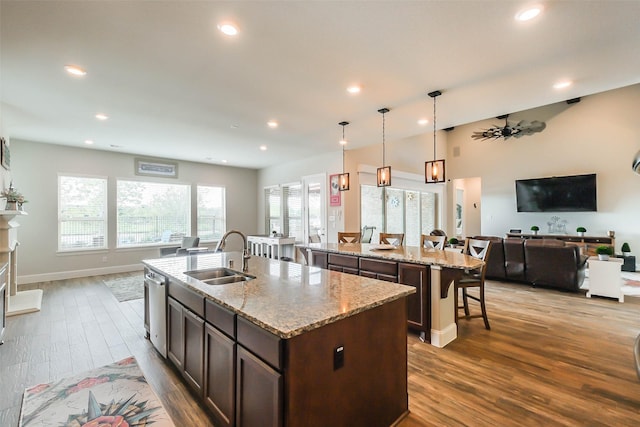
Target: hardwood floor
x=550 y=359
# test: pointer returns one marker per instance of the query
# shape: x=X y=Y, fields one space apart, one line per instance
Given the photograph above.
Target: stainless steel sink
x=219 y=276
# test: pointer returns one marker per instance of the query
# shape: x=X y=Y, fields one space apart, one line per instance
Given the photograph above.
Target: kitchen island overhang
x=432 y=309
x=340 y=340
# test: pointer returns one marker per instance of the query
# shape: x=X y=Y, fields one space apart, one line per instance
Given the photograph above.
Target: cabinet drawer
x=188 y=298
x=387 y=278
x=389 y=268
x=343 y=260
x=261 y=343
x=221 y=318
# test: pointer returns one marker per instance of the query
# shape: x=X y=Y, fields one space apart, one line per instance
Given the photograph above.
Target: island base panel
x=370 y=387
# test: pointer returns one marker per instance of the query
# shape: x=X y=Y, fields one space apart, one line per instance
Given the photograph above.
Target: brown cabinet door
x=193 y=350
x=419 y=307
x=259 y=392
x=219 y=371
x=175 y=335
x=318 y=259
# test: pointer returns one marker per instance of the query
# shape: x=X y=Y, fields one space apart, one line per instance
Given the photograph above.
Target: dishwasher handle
x=153 y=280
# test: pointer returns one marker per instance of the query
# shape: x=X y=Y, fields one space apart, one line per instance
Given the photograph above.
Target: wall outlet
x=338 y=357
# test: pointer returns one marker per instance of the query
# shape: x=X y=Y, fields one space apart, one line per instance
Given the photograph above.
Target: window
x=151 y=213
x=403 y=211
x=82 y=213
x=272 y=207
x=211 y=213
x=293 y=211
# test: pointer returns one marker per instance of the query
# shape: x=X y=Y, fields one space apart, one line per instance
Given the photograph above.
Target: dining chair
x=348 y=237
x=436 y=242
x=392 y=238
x=367 y=233
x=473 y=279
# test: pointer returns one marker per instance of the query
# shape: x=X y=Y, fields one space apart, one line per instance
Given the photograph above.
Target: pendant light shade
x=434 y=170
x=343 y=178
x=384 y=173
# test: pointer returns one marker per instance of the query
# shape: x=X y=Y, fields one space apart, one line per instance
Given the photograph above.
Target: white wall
x=35 y=168
x=600 y=134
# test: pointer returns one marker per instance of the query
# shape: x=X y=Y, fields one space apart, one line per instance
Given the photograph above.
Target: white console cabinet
x=604 y=278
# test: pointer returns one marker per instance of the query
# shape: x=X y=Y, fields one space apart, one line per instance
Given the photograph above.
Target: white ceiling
x=175 y=87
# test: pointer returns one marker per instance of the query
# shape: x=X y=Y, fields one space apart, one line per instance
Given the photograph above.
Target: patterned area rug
x=113 y=395
x=126 y=288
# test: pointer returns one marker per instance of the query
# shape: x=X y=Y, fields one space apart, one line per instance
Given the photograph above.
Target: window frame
x=105 y=214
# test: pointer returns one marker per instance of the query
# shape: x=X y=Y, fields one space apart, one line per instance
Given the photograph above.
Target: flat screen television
x=576 y=193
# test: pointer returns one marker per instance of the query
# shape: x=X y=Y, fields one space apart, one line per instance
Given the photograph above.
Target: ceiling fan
x=510 y=129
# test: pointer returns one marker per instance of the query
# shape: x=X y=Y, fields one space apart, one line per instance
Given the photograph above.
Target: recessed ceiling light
x=234 y=126
x=562 y=84
x=102 y=116
x=423 y=122
x=529 y=13
x=88 y=142
x=223 y=161
x=353 y=89
x=228 y=29
x=272 y=124
x=263 y=147
x=343 y=142
x=75 y=70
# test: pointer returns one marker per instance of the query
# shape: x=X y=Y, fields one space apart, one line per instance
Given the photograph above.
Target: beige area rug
x=126 y=288
x=113 y=395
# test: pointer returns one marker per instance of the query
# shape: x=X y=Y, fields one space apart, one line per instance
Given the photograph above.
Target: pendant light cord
x=344 y=143
x=383 y=162
x=434 y=128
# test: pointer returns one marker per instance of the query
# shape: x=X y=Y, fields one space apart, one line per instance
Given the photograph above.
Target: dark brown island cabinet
x=416 y=275
x=328 y=376
x=3 y=301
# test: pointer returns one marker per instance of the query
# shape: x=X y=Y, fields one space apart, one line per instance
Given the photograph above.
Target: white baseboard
x=62 y=275
x=441 y=338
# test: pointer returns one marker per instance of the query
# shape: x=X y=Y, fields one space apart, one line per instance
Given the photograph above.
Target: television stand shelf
x=587 y=244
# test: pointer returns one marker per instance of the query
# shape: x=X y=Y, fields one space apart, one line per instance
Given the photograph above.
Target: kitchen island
x=431 y=310
x=292 y=346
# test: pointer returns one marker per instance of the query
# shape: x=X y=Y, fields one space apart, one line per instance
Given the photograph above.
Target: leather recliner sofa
x=540 y=262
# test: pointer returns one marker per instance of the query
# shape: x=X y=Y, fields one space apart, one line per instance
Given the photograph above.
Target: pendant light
x=384 y=173
x=343 y=178
x=434 y=170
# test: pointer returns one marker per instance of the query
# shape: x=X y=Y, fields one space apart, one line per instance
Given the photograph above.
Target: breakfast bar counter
x=430 y=271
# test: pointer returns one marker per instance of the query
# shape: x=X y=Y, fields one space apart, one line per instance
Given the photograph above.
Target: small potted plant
x=626 y=250
x=535 y=229
x=453 y=242
x=581 y=231
x=604 y=252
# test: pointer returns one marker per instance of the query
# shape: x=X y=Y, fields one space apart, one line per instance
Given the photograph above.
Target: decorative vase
x=11 y=206
x=581 y=233
x=534 y=232
x=603 y=257
x=626 y=254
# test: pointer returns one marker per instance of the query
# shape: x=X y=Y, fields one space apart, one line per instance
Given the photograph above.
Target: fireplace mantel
x=17 y=302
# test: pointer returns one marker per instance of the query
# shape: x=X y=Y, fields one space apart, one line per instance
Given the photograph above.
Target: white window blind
x=82 y=213
x=293 y=211
x=211 y=210
x=272 y=208
x=150 y=213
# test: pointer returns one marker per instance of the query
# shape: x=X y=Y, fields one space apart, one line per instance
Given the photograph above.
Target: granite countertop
x=285 y=298
x=410 y=254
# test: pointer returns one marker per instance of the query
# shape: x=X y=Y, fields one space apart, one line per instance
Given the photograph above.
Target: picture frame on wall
x=5 y=155
x=158 y=168
x=334 y=191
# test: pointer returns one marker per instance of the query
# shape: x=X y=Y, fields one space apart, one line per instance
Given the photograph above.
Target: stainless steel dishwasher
x=157 y=310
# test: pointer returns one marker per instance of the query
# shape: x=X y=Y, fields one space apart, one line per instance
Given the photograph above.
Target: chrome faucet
x=245 y=250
